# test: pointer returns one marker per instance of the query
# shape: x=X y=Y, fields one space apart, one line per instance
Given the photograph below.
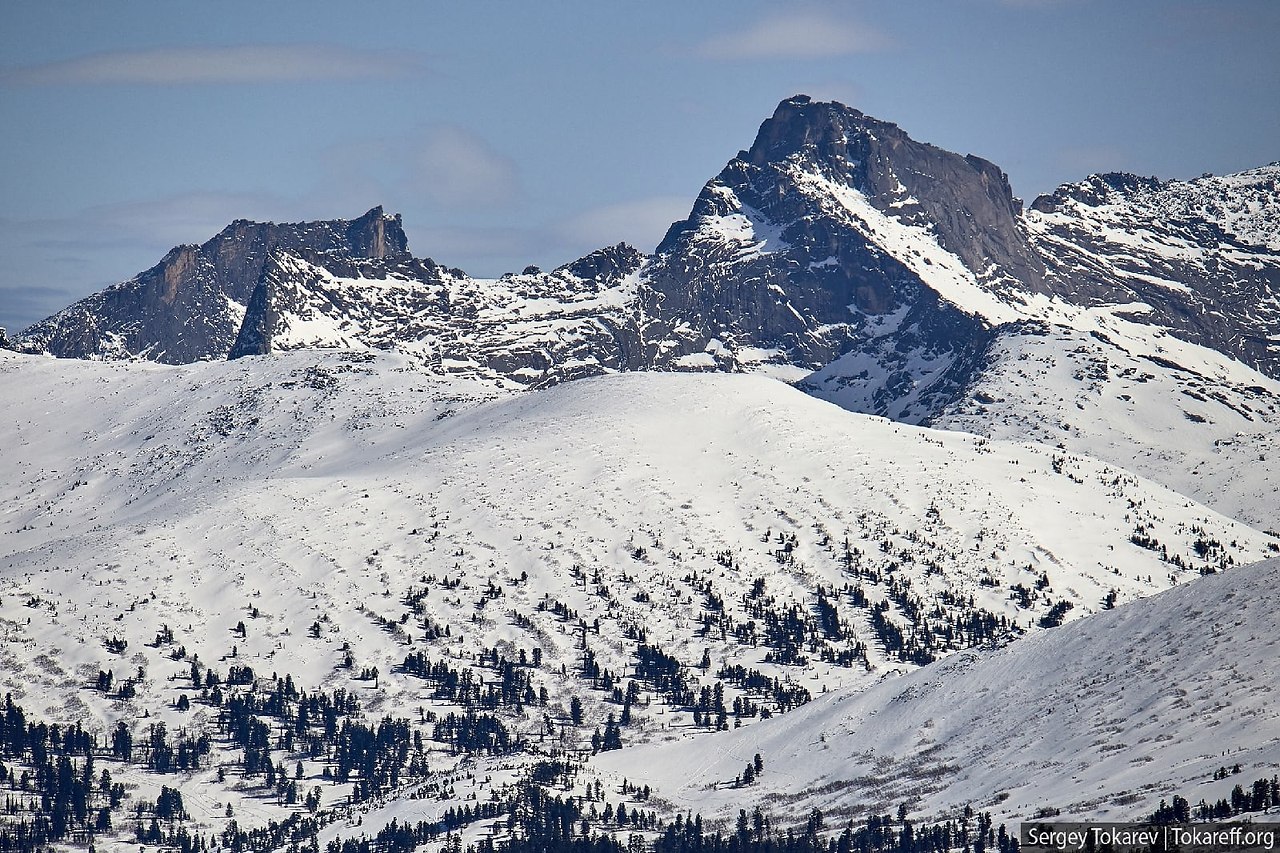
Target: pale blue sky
x=515 y=133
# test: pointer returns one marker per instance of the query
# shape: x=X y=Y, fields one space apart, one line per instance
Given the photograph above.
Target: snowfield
x=944 y=503
x=1101 y=720
x=325 y=514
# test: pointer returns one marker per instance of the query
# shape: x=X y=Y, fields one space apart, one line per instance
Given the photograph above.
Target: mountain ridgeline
x=335 y=579
x=835 y=246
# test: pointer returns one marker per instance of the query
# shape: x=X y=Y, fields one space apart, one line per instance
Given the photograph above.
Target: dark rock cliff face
x=261 y=316
x=1202 y=256
x=189 y=306
x=966 y=199
x=771 y=259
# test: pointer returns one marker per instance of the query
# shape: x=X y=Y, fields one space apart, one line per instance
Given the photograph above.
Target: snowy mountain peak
x=376 y=235
x=886 y=274
x=656 y=551
x=801 y=125
x=909 y=179
x=1200 y=257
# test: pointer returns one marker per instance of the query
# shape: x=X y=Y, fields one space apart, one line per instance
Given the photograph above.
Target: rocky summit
x=191 y=305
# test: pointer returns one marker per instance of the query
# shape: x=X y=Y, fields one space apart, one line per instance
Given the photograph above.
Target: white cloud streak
x=243 y=64
x=454 y=167
x=641 y=222
x=802 y=35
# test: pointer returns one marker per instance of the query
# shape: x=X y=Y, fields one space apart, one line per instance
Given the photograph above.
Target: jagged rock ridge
x=766 y=271
x=835 y=244
x=190 y=306
x=526 y=329
x=1202 y=257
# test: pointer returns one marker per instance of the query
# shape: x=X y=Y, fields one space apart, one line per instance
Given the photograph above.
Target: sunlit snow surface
x=386 y=445
x=318 y=487
x=1103 y=380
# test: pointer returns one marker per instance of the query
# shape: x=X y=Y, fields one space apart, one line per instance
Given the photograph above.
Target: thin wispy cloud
x=1035 y=4
x=802 y=35
x=243 y=64
x=453 y=166
x=641 y=222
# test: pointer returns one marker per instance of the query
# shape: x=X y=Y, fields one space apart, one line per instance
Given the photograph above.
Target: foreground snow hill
x=1101 y=719
x=293 y=487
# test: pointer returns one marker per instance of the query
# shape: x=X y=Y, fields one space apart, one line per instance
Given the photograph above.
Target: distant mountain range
x=834 y=233
x=884 y=274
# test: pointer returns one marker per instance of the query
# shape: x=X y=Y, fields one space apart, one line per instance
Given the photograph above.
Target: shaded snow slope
x=1208 y=433
x=1100 y=719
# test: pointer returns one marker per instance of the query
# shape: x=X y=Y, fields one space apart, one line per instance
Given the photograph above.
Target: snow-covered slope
x=1182 y=415
x=324 y=515
x=906 y=276
x=1101 y=719
x=1095 y=382
x=366 y=506
x=1102 y=356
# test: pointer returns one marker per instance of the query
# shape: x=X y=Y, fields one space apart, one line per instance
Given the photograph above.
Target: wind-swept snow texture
x=1101 y=719
x=309 y=495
